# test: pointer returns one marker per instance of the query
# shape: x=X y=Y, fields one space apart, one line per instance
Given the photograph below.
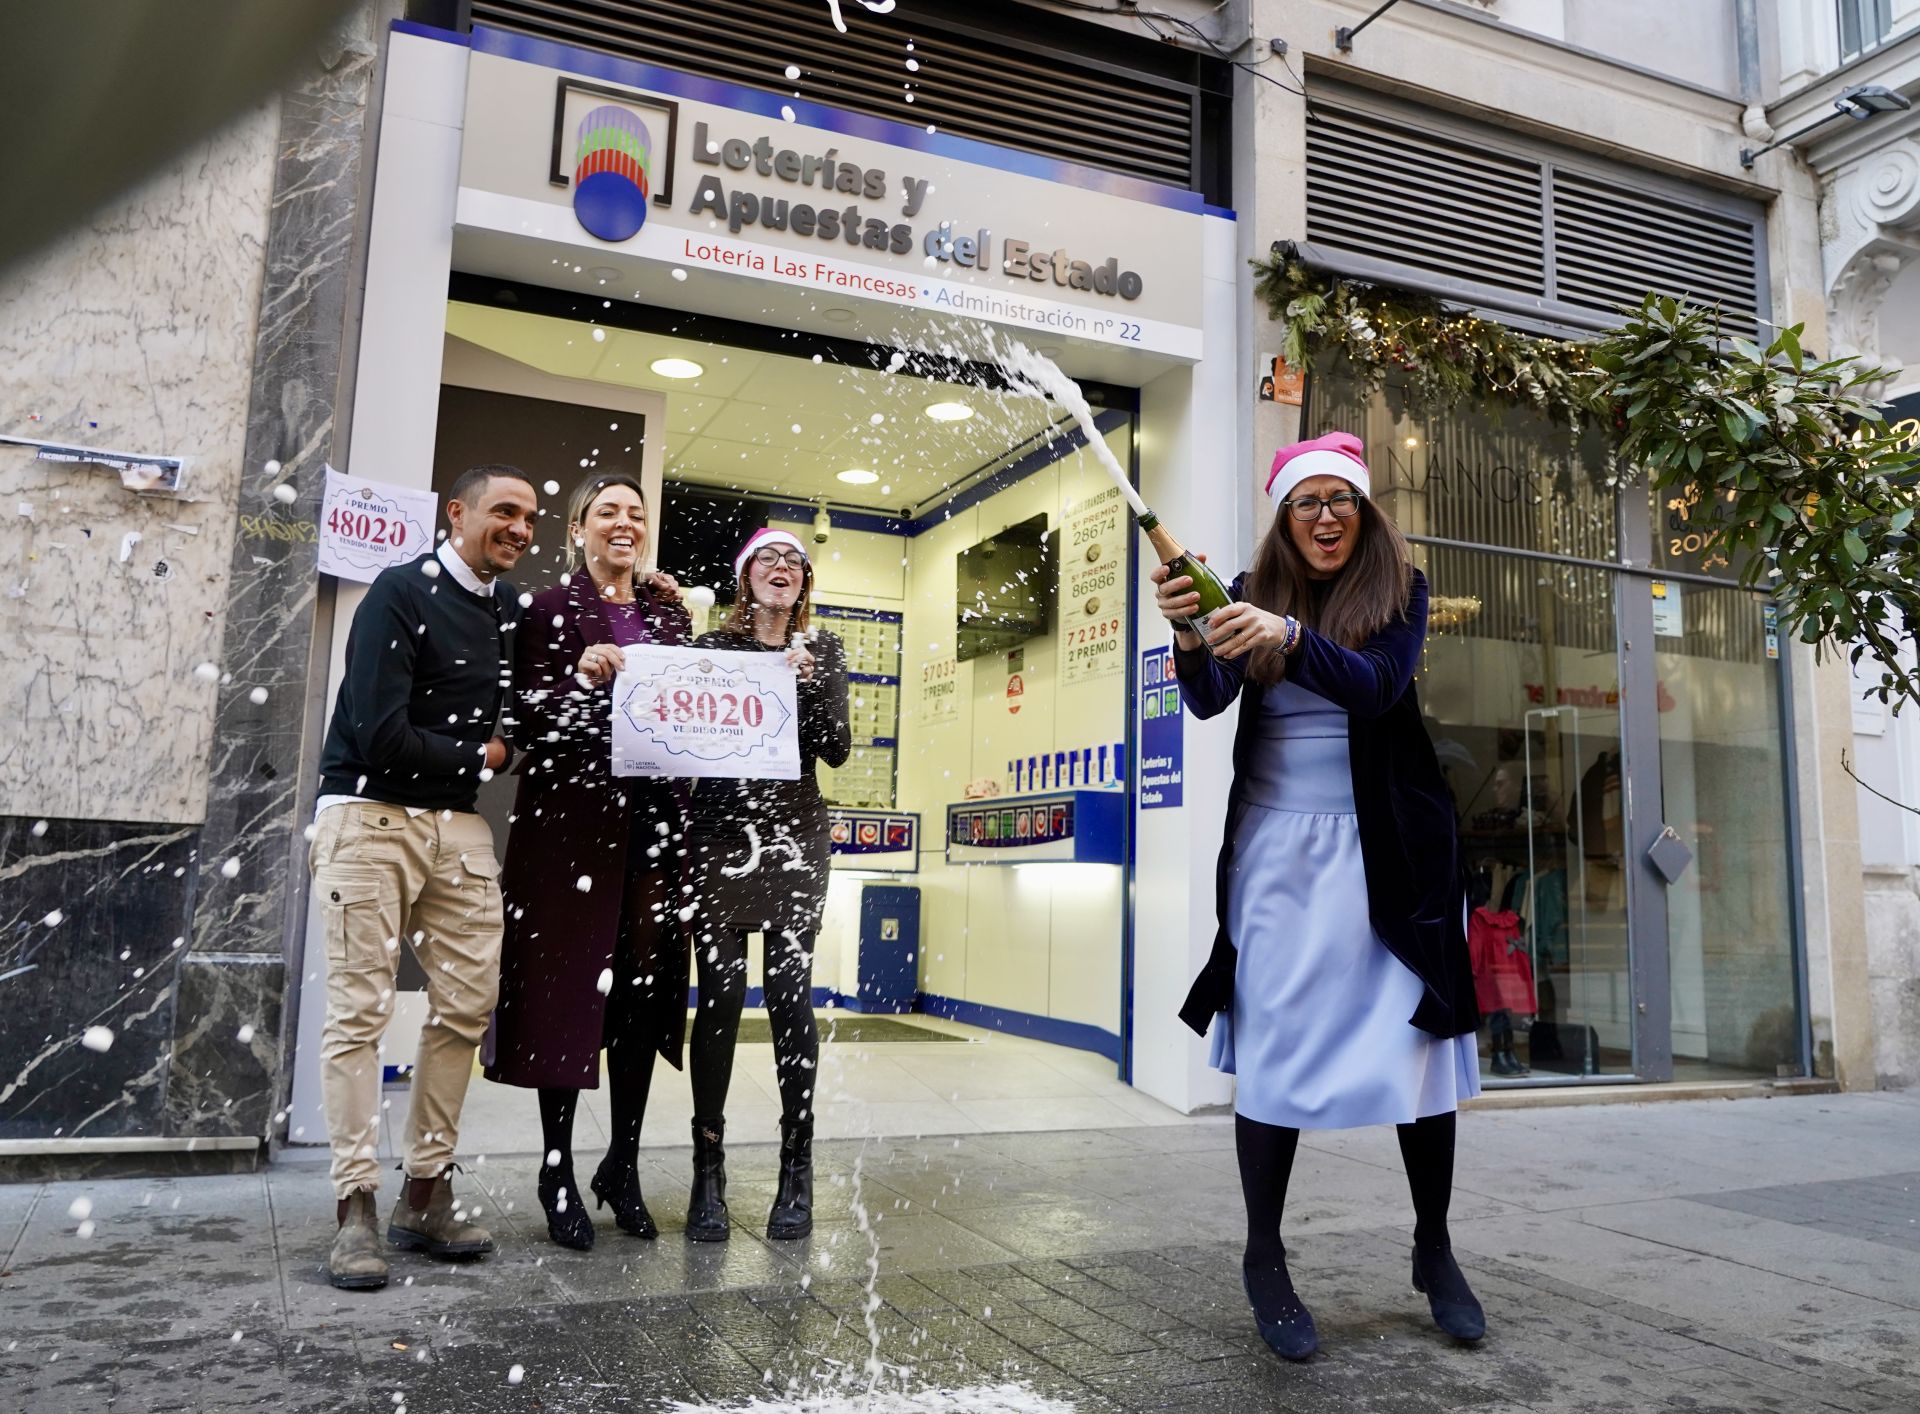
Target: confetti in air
x=584 y=883
x=54 y=919
x=80 y=1208
x=605 y=984
x=245 y=1035
x=258 y=696
x=40 y=826
x=207 y=672
x=97 y=1038
x=430 y=568
x=230 y=870
x=552 y=488
x=793 y=71
x=516 y=1374
x=285 y=494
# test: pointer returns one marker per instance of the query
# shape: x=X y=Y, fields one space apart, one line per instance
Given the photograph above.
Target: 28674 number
x=373 y=530
x=726 y=709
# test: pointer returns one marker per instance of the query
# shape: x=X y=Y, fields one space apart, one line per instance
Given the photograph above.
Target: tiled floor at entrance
x=988 y=1083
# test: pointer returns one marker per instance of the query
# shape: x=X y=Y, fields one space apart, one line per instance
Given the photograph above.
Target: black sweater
x=428 y=665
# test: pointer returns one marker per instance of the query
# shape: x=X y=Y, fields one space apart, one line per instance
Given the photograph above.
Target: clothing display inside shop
x=1502 y=980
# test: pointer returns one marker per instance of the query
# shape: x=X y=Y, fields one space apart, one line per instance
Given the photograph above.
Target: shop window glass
x=1521 y=692
x=1729 y=920
x=1505 y=478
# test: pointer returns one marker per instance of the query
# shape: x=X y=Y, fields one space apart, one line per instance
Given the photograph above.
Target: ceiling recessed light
x=857 y=476
x=949 y=412
x=676 y=368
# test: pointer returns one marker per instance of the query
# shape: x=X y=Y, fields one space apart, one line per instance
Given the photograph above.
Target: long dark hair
x=740 y=616
x=1368 y=593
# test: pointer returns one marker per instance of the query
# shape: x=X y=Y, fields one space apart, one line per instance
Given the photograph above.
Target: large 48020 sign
x=705 y=712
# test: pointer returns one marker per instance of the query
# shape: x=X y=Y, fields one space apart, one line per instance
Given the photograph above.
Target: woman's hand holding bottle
x=1177 y=601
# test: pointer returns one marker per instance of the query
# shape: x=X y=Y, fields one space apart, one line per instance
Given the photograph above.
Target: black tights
x=722 y=957
x=629 y=1078
x=1266 y=1163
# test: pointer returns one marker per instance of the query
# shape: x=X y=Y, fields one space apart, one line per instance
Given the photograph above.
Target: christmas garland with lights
x=1441 y=357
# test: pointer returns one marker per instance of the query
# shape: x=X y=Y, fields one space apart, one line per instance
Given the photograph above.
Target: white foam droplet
x=786 y=113
x=85 y=1229
x=257 y=696
x=605 y=984
x=877 y=419
x=430 y=568
x=552 y=488
x=679 y=274
x=54 y=919
x=40 y=826
x=526 y=600
x=486 y=773
x=553 y=1158
x=272 y=467
x=80 y=1208
x=230 y=870
x=207 y=672
x=244 y=1035
x=584 y=883
x=97 y=1038
x=516 y=1374
x=599 y=336
x=793 y=71
x=285 y=494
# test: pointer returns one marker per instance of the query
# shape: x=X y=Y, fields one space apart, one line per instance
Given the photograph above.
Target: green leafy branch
x=1787 y=463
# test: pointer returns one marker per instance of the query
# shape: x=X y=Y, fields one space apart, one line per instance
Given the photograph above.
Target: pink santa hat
x=760 y=540
x=1337 y=454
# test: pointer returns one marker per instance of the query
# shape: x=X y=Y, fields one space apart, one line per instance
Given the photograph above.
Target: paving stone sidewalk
x=1714 y=1256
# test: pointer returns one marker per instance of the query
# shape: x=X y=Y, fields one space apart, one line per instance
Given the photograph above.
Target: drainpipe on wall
x=1746 y=26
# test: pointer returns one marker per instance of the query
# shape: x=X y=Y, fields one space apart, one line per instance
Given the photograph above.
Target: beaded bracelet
x=1292 y=636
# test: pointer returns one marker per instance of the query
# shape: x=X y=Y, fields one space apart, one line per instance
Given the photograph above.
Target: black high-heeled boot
x=618 y=1183
x=707 y=1219
x=1286 y=1325
x=567 y=1220
x=1455 y=1308
x=792 y=1215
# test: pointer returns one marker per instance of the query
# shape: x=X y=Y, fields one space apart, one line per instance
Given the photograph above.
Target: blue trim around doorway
x=1079 y=1035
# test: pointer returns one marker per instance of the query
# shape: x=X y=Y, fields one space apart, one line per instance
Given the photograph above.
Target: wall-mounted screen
x=1006 y=589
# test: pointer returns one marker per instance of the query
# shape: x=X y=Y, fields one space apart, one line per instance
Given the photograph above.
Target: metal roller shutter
x=969 y=82
x=1487 y=221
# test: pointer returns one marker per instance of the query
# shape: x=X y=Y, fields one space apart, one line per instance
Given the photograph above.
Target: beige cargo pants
x=380 y=875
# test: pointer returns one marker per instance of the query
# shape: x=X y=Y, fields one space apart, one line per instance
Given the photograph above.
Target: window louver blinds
x=972 y=84
x=1487 y=221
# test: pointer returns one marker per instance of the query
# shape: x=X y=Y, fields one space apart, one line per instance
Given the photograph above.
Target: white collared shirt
x=463 y=576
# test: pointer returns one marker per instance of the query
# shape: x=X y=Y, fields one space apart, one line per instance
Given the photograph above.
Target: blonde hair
x=581 y=501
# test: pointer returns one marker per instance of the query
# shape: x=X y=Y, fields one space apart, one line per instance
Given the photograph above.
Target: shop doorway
x=898 y=477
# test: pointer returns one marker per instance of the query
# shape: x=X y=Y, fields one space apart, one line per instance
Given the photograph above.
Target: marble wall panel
x=93 y=923
x=226 y=1048
x=134 y=332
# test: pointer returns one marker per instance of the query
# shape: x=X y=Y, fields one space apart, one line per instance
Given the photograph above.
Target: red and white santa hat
x=760 y=540
x=1337 y=454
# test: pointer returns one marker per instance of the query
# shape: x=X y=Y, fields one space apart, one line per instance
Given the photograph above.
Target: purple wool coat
x=574 y=818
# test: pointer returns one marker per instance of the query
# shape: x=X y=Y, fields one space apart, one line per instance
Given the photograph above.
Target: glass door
x=1730 y=930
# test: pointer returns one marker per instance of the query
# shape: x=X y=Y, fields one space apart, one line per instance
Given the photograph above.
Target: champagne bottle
x=1213 y=593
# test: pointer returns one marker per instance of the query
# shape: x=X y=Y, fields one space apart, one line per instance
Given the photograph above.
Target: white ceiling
x=775 y=425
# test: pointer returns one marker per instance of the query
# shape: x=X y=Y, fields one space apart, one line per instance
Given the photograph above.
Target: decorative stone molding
x=1870 y=232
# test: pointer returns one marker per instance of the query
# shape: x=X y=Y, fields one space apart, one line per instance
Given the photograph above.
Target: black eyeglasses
x=772 y=559
x=1343 y=504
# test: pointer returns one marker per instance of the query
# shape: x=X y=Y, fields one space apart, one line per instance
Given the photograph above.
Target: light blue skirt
x=1319 y=1036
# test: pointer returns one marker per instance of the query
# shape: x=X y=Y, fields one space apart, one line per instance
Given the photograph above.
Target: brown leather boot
x=355 y=1263
x=444 y=1229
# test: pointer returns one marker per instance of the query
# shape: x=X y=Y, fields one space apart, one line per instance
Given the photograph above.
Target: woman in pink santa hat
x=1339 y=989
x=760 y=854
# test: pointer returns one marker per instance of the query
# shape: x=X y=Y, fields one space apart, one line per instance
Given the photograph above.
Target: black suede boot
x=1455 y=1308
x=567 y=1220
x=792 y=1214
x=707 y=1219
x=618 y=1183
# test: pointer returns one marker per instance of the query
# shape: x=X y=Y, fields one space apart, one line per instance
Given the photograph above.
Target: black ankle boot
x=618 y=1183
x=707 y=1219
x=1455 y=1309
x=567 y=1220
x=792 y=1214
x=1286 y=1325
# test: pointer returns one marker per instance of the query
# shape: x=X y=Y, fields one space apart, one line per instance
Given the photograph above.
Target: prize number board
x=872 y=641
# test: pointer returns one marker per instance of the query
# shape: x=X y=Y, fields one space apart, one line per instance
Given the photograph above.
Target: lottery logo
x=613 y=173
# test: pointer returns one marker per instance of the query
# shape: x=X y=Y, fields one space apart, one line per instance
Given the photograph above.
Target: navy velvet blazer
x=1409 y=835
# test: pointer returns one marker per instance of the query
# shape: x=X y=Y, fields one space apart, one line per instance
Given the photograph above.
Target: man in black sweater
x=399 y=852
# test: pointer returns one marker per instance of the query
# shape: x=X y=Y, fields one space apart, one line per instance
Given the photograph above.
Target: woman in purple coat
x=594 y=955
